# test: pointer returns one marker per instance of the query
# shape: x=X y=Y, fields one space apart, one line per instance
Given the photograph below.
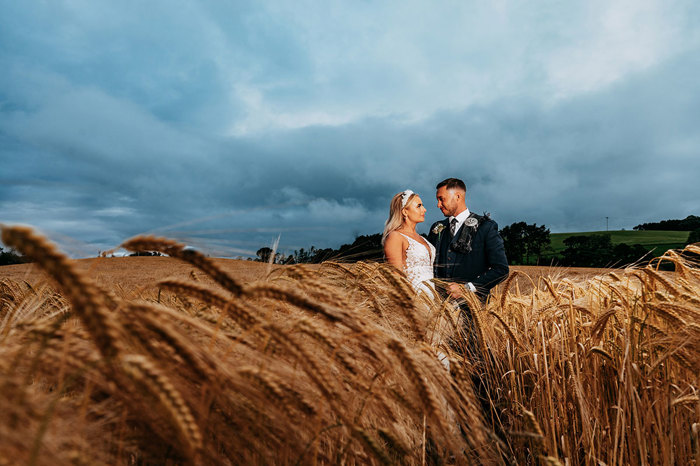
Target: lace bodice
x=419 y=270
x=419 y=263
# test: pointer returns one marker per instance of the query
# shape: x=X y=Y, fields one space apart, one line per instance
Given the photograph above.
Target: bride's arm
x=395 y=250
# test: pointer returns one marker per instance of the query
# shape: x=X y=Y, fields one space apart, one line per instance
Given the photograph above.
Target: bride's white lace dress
x=419 y=264
x=419 y=271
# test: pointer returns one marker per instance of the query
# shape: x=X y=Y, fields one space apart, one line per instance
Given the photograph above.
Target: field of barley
x=190 y=360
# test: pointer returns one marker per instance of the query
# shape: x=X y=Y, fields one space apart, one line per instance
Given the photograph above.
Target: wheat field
x=343 y=364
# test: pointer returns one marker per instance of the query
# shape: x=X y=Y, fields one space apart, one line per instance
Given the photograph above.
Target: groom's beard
x=449 y=213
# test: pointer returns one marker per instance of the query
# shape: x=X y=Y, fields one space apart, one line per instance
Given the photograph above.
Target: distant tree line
x=530 y=245
x=365 y=247
x=598 y=251
x=525 y=244
x=690 y=223
x=11 y=257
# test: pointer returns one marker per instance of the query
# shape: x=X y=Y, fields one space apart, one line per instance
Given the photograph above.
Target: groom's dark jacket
x=475 y=254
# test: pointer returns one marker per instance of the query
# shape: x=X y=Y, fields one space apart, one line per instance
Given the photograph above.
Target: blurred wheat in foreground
x=338 y=364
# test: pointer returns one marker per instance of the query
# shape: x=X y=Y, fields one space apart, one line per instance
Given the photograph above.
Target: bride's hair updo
x=398 y=202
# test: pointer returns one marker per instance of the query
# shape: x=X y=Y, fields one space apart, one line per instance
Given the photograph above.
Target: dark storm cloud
x=228 y=126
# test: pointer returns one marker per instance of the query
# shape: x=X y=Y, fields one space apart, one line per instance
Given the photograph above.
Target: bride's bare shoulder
x=394 y=239
x=395 y=236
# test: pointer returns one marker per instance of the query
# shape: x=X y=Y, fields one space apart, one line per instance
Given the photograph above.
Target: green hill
x=656 y=241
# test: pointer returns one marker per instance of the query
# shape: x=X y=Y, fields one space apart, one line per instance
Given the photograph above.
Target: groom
x=469 y=248
x=469 y=252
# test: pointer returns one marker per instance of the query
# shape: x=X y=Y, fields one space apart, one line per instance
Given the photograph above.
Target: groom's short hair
x=452 y=183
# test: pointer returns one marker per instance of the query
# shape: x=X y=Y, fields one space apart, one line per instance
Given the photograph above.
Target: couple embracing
x=464 y=250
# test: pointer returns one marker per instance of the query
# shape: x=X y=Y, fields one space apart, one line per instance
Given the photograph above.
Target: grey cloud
x=127 y=130
x=567 y=167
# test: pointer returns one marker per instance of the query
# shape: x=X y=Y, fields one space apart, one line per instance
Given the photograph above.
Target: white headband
x=404 y=197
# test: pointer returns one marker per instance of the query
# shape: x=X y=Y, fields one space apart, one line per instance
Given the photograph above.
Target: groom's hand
x=455 y=291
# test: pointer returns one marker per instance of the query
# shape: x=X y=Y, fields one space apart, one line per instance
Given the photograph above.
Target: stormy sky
x=227 y=124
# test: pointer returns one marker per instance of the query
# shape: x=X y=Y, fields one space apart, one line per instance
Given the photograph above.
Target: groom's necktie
x=453 y=226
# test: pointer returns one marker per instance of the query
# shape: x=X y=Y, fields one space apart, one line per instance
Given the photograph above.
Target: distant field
x=658 y=241
x=137 y=277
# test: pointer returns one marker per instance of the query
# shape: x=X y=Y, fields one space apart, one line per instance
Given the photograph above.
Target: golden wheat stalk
x=534 y=428
x=88 y=300
x=599 y=326
x=146 y=374
x=238 y=312
x=685 y=399
x=373 y=445
x=279 y=392
x=550 y=287
x=415 y=372
x=644 y=324
x=80 y=355
x=325 y=385
x=668 y=314
x=681 y=310
x=507 y=328
x=657 y=276
x=339 y=267
x=402 y=294
x=550 y=460
x=621 y=296
x=291 y=296
x=149 y=316
x=335 y=351
x=476 y=307
x=506 y=286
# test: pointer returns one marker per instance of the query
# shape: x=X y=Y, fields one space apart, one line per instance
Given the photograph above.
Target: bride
x=414 y=255
x=403 y=247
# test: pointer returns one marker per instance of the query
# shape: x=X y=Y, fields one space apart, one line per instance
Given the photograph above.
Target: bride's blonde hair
x=398 y=203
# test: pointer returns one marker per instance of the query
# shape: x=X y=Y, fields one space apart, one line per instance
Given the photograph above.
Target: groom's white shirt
x=461 y=217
